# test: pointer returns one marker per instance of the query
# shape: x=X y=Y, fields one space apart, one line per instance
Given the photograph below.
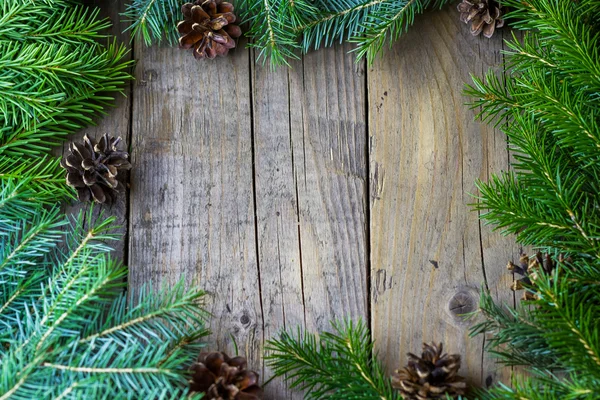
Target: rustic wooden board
x=328 y=120
x=310 y=177
x=116 y=122
x=192 y=212
x=429 y=252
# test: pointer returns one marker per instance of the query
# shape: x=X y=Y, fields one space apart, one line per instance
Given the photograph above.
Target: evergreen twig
x=305 y=26
x=54 y=76
x=337 y=365
x=550 y=110
x=65 y=323
x=154 y=20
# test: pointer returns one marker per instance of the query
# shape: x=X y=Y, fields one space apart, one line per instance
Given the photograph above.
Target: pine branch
x=273 y=27
x=552 y=200
x=45 y=177
x=564 y=26
x=19 y=200
x=33 y=131
x=388 y=23
x=338 y=365
x=549 y=108
x=66 y=328
x=54 y=76
x=47 y=21
x=558 y=332
x=280 y=29
x=154 y=20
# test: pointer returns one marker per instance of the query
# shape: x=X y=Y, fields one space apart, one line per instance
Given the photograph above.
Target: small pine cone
x=208 y=27
x=92 y=168
x=529 y=268
x=222 y=378
x=484 y=15
x=431 y=376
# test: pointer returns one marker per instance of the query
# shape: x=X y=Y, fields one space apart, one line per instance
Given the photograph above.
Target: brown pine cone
x=208 y=27
x=484 y=16
x=528 y=268
x=222 y=378
x=431 y=376
x=92 y=168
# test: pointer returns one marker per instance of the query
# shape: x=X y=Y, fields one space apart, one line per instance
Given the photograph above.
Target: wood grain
x=310 y=177
x=429 y=253
x=192 y=213
x=115 y=123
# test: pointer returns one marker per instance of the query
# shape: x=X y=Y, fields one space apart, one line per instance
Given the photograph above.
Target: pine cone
x=208 y=28
x=92 y=168
x=528 y=268
x=431 y=376
x=484 y=16
x=222 y=378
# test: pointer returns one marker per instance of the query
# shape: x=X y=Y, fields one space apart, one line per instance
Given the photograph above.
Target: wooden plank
x=310 y=161
x=115 y=123
x=430 y=254
x=329 y=144
x=192 y=213
x=276 y=211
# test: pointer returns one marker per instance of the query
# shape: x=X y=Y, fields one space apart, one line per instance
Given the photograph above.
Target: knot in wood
x=461 y=303
x=244 y=319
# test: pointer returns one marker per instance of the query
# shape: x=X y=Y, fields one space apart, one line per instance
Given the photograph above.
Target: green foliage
x=66 y=329
x=280 y=29
x=337 y=365
x=43 y=178
x=68 y=326
x=154 y=20
x=556 y=336
x=54 y=75
x=550 y=110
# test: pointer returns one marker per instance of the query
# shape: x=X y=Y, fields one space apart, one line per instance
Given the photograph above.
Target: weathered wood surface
x=429 y=252
x=328 y=190
x=192 y=197
x=310 y=176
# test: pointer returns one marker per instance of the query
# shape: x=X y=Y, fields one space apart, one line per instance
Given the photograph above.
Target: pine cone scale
x=187 y=41
x=484 y=16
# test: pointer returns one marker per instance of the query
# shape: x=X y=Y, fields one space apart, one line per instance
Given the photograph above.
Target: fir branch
x=273 y=27
x=50 y=21
x=44 y=176
x=154 y=20
x=338 y=365
x=29 y=133
x=280 y=28
x=558 y=332
x=549 y=108
x=388 y=23
x=58 y=286
x=19 y=200
x=552 y=201
x=564 y=26
x=173 y=308
x=54 y=75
